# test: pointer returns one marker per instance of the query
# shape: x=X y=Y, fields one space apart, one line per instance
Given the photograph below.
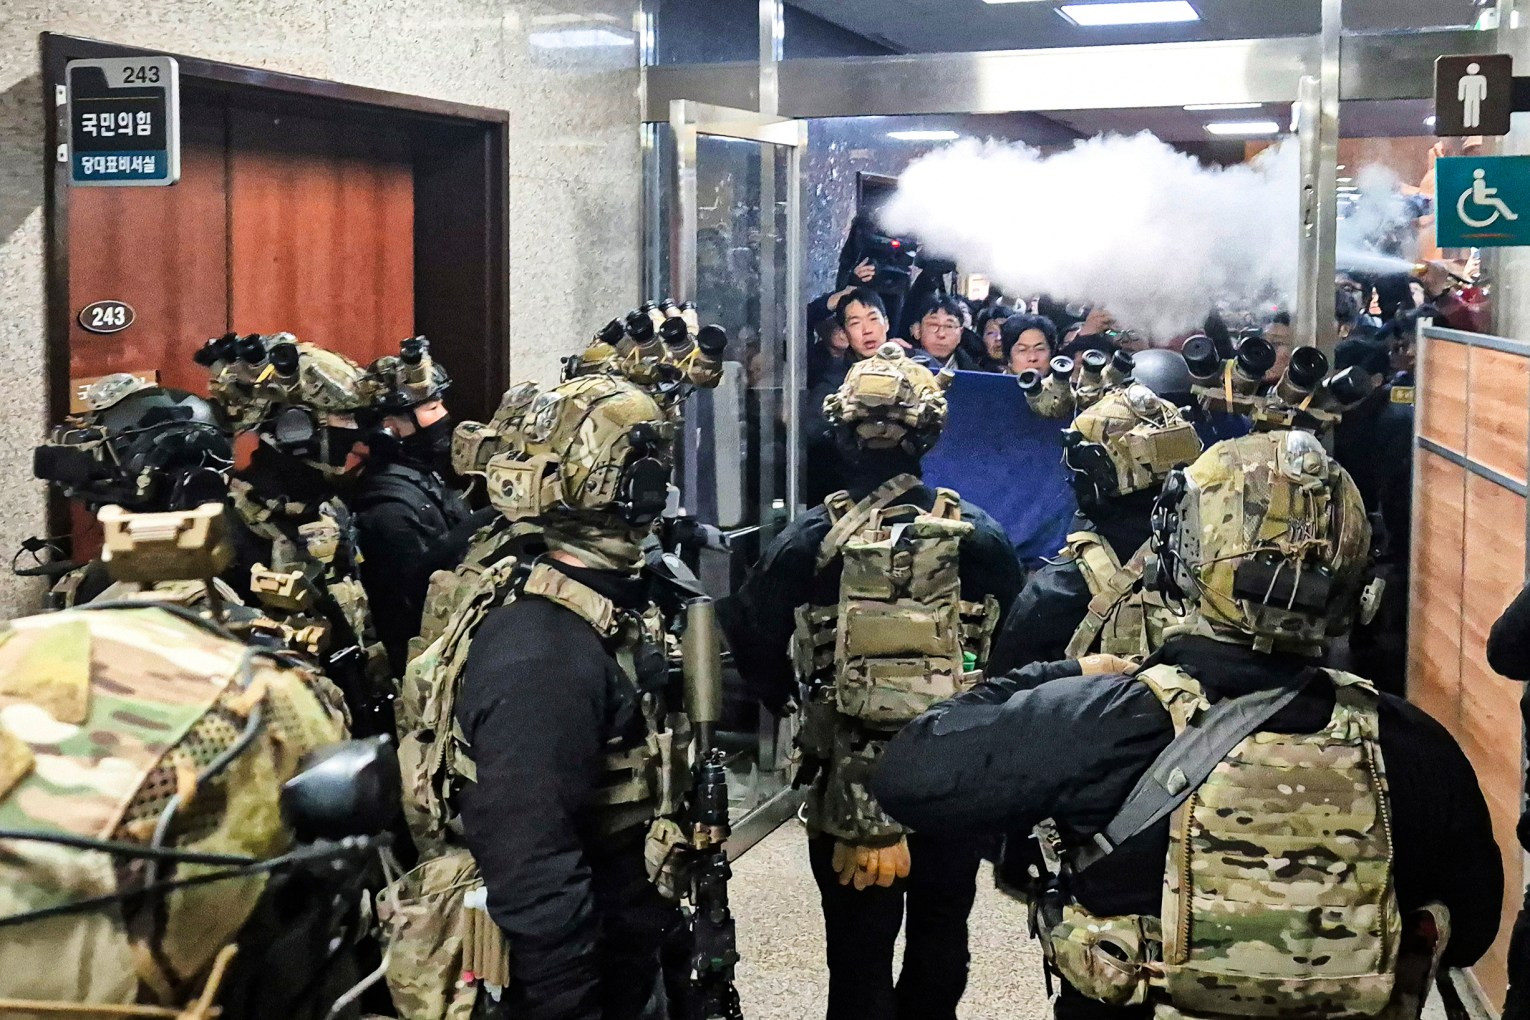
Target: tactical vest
x=310 y=564
x=108 y=714
x=1123 y=617
x=434 y=918
x=1278 y=897
x=450 y=590
x=894 y=644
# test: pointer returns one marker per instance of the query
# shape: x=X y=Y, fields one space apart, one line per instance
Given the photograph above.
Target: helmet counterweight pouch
x=523 y=488
x=899 y=630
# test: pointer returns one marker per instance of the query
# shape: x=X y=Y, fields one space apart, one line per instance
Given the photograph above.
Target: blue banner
x=1007 y=460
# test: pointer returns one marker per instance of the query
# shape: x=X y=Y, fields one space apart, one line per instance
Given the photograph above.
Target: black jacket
x=538 y=704
x=1025 y=747
x=1508 y=653
x=1056 y=597
x=1374 y=443
x=405 y=516
x=759 y=620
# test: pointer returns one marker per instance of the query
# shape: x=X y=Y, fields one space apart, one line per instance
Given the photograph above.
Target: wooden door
x=322 y=231
x=164 y=251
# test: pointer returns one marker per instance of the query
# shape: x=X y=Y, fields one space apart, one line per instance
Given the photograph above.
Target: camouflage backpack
x=894 y=642
x=1278 y=898
x=110 y=722
x=1125 y=617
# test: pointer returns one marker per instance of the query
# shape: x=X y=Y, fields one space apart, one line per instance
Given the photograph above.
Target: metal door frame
x=688 y=121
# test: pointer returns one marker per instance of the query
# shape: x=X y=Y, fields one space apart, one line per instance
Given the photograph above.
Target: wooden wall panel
x=1500 y=411
x=1489 y=725
x=1442 y=401
x=162 y=250
x=1434 y=632
x=322 y=235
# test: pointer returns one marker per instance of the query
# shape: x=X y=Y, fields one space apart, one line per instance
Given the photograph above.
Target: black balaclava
x=862 y=469
x=277 y=477
x=430 y=446
x=1125 y=521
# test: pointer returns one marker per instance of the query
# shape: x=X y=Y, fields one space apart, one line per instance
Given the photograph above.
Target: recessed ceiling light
x=924 y=136
x=1429 y=121
x=1132 y=12
x=1199 y=107
x=1244 y=127
x=580 y=38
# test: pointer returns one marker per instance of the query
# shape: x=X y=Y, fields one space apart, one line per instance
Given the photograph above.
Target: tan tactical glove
x=870 y=865
x=1106 y=665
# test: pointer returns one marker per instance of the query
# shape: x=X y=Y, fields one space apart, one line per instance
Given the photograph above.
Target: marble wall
x=575 y=169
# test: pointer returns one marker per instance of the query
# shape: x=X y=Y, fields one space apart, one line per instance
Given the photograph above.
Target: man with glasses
x=939 y=335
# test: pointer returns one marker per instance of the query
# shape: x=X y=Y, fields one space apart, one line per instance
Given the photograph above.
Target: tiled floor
x=780 y=933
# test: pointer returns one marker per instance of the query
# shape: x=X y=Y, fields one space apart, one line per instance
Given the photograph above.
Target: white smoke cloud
x=1123 y=222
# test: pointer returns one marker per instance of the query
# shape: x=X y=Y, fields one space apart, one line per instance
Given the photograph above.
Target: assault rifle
x=709 y=921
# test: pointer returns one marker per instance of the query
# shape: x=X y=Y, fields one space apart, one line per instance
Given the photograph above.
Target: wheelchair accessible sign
x=1482 y=201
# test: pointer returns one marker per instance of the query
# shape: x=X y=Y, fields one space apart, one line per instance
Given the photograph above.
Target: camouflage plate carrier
x=105 y=714
x=1124 y=617
x=894 y=644
x=431 y=917
x=320 y=561
x=1278 y=898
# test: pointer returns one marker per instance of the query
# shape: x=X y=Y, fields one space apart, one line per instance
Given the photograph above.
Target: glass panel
x=706 y=31
x=737 y=479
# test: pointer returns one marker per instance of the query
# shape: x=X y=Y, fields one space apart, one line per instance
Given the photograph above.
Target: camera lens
x=1308 y=366
x=712 y=340
x=1201 y=356
x=1256 y=356
x=611 y=332
x=1030 y=381
x=1062 y=365
x=674 y=331
x=412 y=351
x=640 y=326
x=284 y=358
x=251 y=349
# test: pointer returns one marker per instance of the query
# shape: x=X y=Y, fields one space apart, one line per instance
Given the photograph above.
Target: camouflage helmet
x=109 y=389
x=597 y=443
x=255 y=378
x=1127 y=442
x=475 y=443
x=397 y=383
x=889 y=400
x=1268 y=537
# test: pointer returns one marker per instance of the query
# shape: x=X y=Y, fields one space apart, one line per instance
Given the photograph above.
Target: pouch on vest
x=899 y=630
x=1109 y=959
x=438 y=946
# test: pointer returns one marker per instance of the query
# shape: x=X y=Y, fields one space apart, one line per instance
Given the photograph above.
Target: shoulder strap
x=1096 y=559
x=881 y=497
x=583 y=601
x=948 y=505
x=1181 y=768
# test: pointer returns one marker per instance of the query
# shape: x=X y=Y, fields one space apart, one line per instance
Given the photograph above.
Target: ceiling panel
x=955 y=26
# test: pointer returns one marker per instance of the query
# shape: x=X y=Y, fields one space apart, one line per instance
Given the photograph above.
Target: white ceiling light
x=1429 y=121
x=1201 y=107
x=1132 y=12
x=924 y=136
x=1244 y=128
x=580 y=38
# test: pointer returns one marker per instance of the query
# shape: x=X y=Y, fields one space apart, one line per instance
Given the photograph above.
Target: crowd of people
x=1181 y=738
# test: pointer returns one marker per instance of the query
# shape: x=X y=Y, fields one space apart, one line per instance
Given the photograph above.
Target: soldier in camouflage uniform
x=294 y=539
x=542 y=750
x=1090 y=598
x=882 y=601
x=142 y=447
x=142 y=751
x=1304 y=851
